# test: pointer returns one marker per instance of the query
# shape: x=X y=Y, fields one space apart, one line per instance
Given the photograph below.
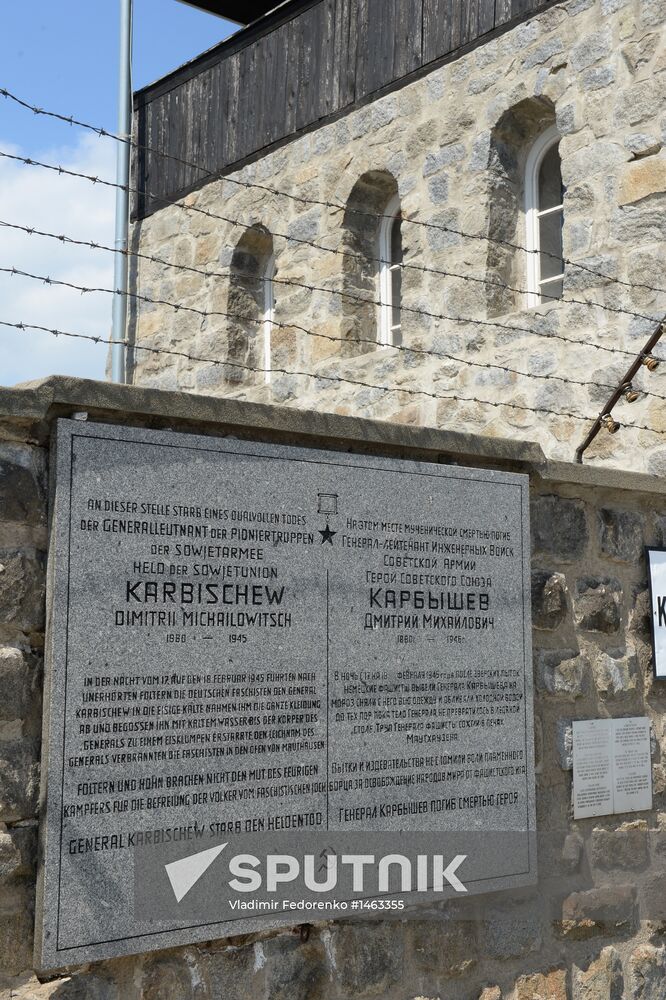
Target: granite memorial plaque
x=612 y=766
x=249 y=639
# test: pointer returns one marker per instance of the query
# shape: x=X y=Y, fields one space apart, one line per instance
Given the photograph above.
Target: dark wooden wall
x=308 y=60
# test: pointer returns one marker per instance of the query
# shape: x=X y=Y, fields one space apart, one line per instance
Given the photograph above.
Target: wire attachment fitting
x=629 y=393
x=611 y=425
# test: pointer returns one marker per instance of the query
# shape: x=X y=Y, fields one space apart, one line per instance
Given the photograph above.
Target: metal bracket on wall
x=625 y=390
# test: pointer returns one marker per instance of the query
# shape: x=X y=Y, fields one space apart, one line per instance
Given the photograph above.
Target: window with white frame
x=544 y=216
x=390 y=275
x=269 y=314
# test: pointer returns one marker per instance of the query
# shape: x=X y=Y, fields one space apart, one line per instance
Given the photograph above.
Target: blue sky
x=63 y=56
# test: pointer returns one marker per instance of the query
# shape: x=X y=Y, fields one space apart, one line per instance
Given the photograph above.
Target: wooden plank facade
x=306 y=61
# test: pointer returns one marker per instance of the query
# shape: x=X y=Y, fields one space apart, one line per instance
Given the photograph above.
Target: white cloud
x=31 y=196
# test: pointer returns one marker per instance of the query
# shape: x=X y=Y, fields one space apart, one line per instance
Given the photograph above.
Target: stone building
x=461 y=140
x=507 y=156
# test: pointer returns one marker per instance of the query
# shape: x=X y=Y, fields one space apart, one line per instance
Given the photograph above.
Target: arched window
x=544 y=216
x=269 y=314
x=390 y=274
x=372 y=241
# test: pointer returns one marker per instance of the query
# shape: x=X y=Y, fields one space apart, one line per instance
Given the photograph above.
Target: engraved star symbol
x=327 y=535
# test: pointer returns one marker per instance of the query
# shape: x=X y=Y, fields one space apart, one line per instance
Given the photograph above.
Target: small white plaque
x=632 y=767
x=611 y=766
x=657 y=577
x=592 y=768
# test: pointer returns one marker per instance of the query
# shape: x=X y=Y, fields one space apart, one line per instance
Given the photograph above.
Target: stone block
x=626 y=847
x=16 y=930
x=621 y=534
x=511 y=932
x=28 y=987
x=601 y=264
x=657 y=462
x=598 y=77
x=444 y=157
x=542 y=986
x=639 y=52
x=236 y=973
x=549 y=600
x=384 y=112
x=597 y=605
x=647 y=973
x=642 y=178
x=19 y=780
x=578 y=238
x=559 y=527
x=22 y=590
x=304 y=226
x=562 y=673
x=638 y=103
x=642 y=144
x=166 y=977
x=605 y=910
x=572 y=852
x=564 y=739
x=444 y=948
x=591 y=49
x=645 y=266
x=595 y=158
x=441 y=239
x=635 y=225
x=373 y=960
x=616 y=675
x=88 y=985
x=22 y=488
x=438 y=189
x=18 y=853
x=601 y=980
x=653 y=13
x=18 y=683
x=480 y=152
x=295 y=970
x=566 y=119
x=543 y=53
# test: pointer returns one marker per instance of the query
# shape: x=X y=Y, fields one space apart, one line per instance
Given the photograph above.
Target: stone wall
x=593 y=929
x=454 y=142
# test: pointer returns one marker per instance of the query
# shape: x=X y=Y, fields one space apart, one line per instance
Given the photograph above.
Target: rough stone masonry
x=453 y=144
x=594 y=928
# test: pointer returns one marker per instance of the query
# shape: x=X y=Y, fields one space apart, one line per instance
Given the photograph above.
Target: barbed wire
x=334 y=206
x=195 y=209
x=152 y=258
x=317 y=376
x=205 y=314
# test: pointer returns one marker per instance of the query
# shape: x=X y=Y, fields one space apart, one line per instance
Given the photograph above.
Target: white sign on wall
x=657 y=579
x=612 y=767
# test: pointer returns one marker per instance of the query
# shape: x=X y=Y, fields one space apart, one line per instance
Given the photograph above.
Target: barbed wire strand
x=334 y=206
x=152 y=258
x=207 y=314
x=317 y=376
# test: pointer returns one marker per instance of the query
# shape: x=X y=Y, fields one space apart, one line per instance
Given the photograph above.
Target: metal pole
x=119 y=316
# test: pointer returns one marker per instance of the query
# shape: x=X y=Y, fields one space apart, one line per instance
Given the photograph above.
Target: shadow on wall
x=250 y=303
